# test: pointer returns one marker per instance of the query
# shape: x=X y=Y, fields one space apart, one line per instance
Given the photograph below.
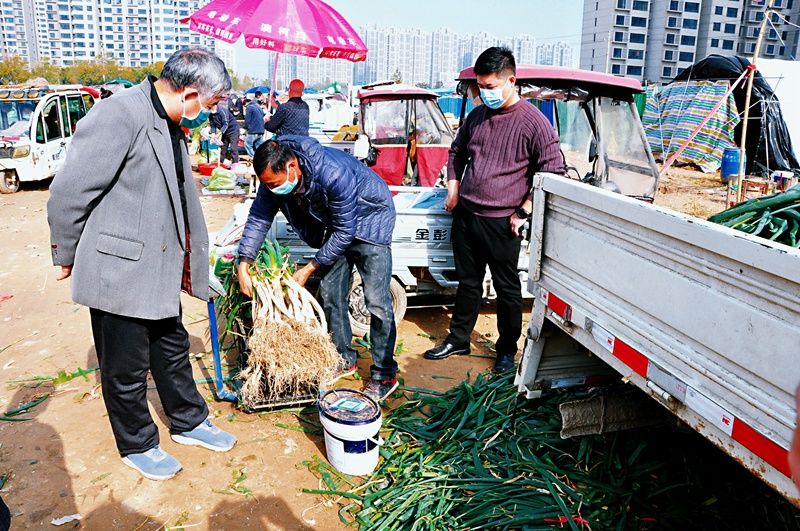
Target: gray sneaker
x=208 y=436
x=155 y=464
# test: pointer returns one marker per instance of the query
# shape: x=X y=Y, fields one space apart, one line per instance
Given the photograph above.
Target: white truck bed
x=701 y=317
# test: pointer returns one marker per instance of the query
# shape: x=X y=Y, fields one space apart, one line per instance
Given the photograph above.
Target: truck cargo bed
x=701 y=317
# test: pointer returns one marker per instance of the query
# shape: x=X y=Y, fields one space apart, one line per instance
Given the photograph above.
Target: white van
x=36 y=126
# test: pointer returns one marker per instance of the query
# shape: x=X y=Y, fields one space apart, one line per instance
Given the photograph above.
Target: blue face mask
x=286 y=187
x=197 y=121
x=493 y=98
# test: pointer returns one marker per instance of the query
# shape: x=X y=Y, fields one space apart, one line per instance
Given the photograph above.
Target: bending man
x=338 y=205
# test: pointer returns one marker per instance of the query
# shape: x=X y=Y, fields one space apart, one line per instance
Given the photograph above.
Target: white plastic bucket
x=351 y=421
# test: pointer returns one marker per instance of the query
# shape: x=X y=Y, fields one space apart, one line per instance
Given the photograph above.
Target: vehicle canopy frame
x=602 y=139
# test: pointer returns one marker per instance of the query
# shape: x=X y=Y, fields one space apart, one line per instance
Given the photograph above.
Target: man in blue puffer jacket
x=338 y=205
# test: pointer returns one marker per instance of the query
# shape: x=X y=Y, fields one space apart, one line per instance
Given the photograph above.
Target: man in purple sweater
x=490 y=174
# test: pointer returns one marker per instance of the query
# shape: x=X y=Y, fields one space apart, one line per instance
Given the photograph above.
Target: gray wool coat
x=115 y=212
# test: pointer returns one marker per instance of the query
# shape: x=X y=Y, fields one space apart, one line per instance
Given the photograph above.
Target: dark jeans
x=127 y=348
x=233 y=143
x=477 y=242
x=374 y=264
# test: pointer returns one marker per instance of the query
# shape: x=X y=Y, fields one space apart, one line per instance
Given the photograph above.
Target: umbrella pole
x=272 y=84
x=749 y=93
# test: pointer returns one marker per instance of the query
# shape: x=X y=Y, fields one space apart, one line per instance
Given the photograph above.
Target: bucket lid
x=349 y=406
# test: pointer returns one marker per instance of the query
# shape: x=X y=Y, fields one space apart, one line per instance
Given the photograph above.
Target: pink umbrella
x=299 y=27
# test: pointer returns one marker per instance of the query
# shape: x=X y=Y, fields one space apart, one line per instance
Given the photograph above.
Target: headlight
x=20 y=152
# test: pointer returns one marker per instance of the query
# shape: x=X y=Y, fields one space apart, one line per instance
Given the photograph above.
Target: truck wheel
x=359 y=316
x=9 y=183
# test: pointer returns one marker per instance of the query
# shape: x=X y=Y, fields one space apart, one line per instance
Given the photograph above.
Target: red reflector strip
x=762 y=447
x=559 y=307
x=631 y=358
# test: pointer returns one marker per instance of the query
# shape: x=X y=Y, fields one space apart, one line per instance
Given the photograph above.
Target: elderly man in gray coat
x=127 y=226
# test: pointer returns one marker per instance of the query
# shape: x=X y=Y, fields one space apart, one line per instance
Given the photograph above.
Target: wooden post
x=749 y=93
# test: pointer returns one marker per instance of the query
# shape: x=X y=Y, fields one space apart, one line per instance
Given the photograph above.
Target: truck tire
x=9 y=183
x=359 y=316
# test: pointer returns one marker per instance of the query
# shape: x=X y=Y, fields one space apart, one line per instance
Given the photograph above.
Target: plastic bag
x=221 y=179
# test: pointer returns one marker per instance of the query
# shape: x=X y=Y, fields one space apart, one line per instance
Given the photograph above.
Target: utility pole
x=749 y=93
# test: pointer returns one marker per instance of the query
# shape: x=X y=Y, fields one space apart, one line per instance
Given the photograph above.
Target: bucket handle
x=379 y=441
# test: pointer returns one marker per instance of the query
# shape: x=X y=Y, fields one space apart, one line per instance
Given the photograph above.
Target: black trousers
x=229 y=142
x=127 y=348
x=477 y=242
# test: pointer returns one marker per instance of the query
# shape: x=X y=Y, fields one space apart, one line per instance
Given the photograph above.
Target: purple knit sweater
x=496 y=153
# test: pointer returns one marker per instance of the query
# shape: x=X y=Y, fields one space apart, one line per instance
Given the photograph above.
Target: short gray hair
x=197 y=68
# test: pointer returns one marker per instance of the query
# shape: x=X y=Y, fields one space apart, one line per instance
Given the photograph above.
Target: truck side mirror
x=593 y=150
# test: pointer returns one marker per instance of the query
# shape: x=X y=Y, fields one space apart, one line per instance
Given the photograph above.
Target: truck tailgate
x=704 y=317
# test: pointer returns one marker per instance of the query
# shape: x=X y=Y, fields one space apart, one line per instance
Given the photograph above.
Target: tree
x=13 y=70
x=397 y=76
x=47 y=70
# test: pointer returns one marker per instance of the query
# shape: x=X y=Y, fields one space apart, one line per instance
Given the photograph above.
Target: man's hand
x=245 y=282
x=516 y=224
x=301 y=275
x=450 y=203
x=66 y=271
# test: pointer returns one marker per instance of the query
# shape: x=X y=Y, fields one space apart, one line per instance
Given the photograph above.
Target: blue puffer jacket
x=347 y=202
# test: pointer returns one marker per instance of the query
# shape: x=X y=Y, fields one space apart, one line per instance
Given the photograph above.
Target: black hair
x=272 y=154
x=495 y=60
x=259 y=94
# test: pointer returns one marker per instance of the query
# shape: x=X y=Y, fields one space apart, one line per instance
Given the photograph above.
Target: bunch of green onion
x=775 y=217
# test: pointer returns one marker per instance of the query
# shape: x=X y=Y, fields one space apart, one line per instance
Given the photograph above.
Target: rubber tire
x=9 y=185
x=359 y=317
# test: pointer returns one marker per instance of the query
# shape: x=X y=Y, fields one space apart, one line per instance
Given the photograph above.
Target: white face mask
x=286 y=187
x=493 y=98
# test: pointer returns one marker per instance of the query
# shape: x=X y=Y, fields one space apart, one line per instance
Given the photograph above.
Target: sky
x=547 y=20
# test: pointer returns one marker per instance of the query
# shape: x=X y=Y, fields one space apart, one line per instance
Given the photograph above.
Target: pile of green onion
x=480 y=457
x=775 y=217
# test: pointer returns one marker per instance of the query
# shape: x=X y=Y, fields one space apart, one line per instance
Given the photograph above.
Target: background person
x=236 y=106
x=223 y=121
x=338 y=205
x=254 y=123
x=126 y=224
x=490 y=174
x=292 y=117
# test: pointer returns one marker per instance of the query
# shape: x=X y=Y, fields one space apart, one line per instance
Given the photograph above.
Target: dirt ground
x=63 y=461
x=692 y=192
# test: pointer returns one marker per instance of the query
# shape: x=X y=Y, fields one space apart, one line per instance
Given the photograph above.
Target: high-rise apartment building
x=376 y=67
x=524 y=48
x=132 y=32
x=410 y=55
x=563 y=54
x=471 y=47
x=319 y=71
x=444 y=57
x=557 y=54
x=655 y=40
